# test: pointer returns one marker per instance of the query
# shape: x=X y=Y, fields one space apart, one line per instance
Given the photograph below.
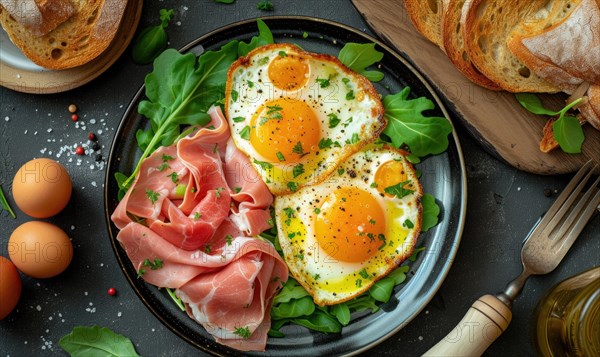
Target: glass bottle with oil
x=568 y=317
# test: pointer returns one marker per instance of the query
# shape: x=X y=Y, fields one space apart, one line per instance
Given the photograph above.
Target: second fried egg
x=342 y=235
x=297 y=114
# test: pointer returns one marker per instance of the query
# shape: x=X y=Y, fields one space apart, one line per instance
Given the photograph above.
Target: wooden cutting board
x=495 y=119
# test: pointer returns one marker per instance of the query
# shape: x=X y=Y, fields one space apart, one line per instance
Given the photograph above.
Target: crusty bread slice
x=590 y=111
x=454 y=46
x=566 y=51
x=39 y=16
x=76 y=41
x=487 y=25
x=427 y=16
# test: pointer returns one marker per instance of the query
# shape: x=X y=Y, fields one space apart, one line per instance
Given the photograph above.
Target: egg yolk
x=350 y=225
x=288 y=71
x=389 y=174
x=283 y=130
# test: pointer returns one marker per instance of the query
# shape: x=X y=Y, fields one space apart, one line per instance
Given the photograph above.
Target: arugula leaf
x=342 y=313
x=291 y=290
x=567 y=130
x=152 y=40
x=408 y=126
x=320 y=321
x=225 y=1
x=382 y=289
x=265 y=37
x=431 y=210
x=358 y=57
x=180 y=90
x=265 y=5
x=4 y=204
x=96 y=341
x=294 y=308
x=176 y=299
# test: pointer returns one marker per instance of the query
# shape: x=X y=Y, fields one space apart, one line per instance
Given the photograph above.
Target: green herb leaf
x=96 y=341
x=292 y=186
x=5 y=205
x=152 y=40
x=152 y=195
x=398 y=190
x=333 y=120
x=360 y=56
x=265 y=37
x=320 y=321
x=303 y=306
x=263 y=164
x=382 y=289
x=298 y=170
x=265 y=5
x=399 y=275
x=298 y=149
x=225 y=1
x=291 y=290
x=532 y=103
x=407 y=124
x=243 y=332
x=413 y=257
x=431 y=211
x=342 y=313
x=350 y=95
x=569 y=134
x=176 y=299
x=324 y=83
x=245 y=133
x=238 y=119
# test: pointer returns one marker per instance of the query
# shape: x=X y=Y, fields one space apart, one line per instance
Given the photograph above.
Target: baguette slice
x=590 y=111
x=486 y=27
x=567 y=52
x=76 y=41
x=427 y=16
x=39 y=16
x=454 y=46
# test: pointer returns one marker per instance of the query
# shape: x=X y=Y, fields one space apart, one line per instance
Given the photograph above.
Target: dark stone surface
x=503 y=203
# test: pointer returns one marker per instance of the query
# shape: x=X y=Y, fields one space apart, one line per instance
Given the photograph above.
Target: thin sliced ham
x=194 y=208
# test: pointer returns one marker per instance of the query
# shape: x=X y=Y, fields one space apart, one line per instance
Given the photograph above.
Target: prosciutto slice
x=187 y=223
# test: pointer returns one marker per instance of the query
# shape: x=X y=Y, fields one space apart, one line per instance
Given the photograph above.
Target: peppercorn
x=98 y=157
x=96 y=146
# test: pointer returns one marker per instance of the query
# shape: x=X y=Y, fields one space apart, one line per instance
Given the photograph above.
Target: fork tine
x=570 y=192
x=585 y=216
x=584 y=202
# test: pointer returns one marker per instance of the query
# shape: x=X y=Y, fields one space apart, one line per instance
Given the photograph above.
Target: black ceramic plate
x=443 y=176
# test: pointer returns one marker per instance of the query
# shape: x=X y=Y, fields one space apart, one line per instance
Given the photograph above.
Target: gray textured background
x=502 y=205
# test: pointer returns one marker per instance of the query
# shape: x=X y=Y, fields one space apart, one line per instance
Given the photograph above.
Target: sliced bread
x=590 y=111
x=487 y=25
x=76 y=41
x=566 y=51
x=454 y=46
x=427 y=16
x=39 y=16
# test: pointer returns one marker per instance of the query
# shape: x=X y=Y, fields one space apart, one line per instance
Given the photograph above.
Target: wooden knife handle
x=485 y=321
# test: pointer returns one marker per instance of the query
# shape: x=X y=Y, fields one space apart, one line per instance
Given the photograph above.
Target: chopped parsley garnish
x=155 y=264
x=243 y=332
x=245 y=133
x=174 y=177
x=228 y=239
x=141 y=272
x=282 y=54
x=166 y=158
x=372 y=221
x=263 y=164
x=197 y=216
x=363 y=273
x=250 y=84
x=263 y=61
x=398 y=190
x=373 y=184
x=214 y=150
x=298 y=149
x=289 y=212
x=238 y=119
x=347 y=122
x=162 y=167
x=358 y=283
x=350 y=95
x=291 y=235
x=207 y=249
x=292 y=186
x=323 y=82
x=218 y=191
x=152 y=195
x=408 y=224
x=273 y=113
x=237 y=189
x=317 y=277
x=300 y=256
x=280 y=156
x=341 y=172
x=298 y=170
x=234 y=95
x=333 y=120
x=328 y=143
x=317 y=210
x=353 y=140
x=346 y=81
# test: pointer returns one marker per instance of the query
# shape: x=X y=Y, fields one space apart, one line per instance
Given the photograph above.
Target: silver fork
x=543 y=249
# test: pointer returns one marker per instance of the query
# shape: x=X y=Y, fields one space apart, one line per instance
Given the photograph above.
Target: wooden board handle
x=485 y=321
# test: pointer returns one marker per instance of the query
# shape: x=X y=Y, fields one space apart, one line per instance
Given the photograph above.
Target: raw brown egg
x=40 y=249
x=42 y=188
x=10 y=287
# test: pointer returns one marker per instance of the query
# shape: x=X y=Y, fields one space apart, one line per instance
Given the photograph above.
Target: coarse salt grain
x=119 y=314
x=6 y=118
x=38 y=308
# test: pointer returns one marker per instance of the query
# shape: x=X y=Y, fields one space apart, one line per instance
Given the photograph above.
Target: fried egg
x=297 y=114
x=342 y=235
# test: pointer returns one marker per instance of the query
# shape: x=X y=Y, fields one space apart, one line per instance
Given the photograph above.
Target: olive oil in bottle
x=568 y=317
